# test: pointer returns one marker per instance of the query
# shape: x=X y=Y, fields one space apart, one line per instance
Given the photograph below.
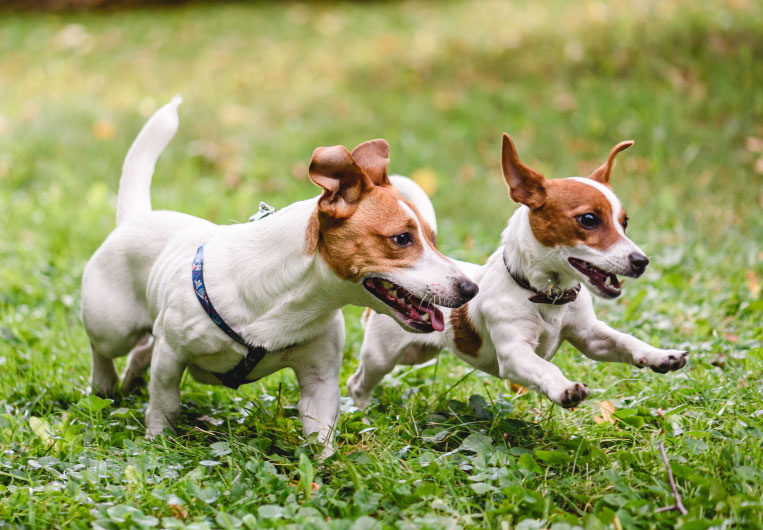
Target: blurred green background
x=264 y=83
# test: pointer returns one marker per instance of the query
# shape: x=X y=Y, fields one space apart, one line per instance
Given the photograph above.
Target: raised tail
x=134 y=198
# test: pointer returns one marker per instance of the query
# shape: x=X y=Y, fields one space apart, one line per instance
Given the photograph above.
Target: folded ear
x=602 y=174
x=526 y=185
x=342 y=180
x=373 y=157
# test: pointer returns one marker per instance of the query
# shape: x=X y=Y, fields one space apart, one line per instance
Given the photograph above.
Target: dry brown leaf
x=426 y=178
x=753 y=283
x=178 y=512
x=606 y=409
x=315 y=487
x=753 y=144
x=104 y=130
x=517 y=389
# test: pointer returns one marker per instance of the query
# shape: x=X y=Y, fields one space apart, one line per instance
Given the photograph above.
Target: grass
x=265 y=83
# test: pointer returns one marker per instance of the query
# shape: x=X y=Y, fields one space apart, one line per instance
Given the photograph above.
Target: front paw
x=572 y=396
x=669 y=361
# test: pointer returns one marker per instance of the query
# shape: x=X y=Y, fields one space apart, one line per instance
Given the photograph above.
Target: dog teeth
x=425 y=317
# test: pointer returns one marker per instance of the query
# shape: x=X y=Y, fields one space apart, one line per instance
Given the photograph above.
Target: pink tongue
x=435 y=317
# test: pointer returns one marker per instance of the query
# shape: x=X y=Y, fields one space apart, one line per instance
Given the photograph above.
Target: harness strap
x=236 y=376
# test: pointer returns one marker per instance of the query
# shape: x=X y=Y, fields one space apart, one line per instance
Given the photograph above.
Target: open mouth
x=415 y=313
x=606 y=282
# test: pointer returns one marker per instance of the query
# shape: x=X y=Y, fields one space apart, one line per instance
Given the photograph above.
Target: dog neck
x=526 y=257
x=266 y=285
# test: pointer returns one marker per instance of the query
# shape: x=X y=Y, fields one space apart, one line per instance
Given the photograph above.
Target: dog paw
x=108 y=388
x=133 y=384
x=671 y=361
x=574 y=395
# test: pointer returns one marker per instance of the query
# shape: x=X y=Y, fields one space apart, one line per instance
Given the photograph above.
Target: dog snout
x=638 y=263
x=467 y=289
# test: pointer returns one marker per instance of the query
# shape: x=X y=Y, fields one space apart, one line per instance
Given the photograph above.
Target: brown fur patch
x=554 y=224
x=313 y=234
x=465 y=337
x=361 y=244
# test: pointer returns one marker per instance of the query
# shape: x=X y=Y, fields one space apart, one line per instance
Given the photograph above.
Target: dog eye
x=625 y=223
x=402 y=240
x=588 y=221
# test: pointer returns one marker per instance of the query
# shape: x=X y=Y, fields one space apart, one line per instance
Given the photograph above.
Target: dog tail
x=413 y=193
x=135 y=185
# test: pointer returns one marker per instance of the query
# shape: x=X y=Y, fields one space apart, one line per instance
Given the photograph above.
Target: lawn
x=444 y=447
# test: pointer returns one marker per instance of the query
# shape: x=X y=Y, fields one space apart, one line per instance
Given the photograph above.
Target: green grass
x=264 y=84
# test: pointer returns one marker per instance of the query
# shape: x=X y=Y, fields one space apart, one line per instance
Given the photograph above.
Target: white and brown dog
x=567 y=232
x=235 y=303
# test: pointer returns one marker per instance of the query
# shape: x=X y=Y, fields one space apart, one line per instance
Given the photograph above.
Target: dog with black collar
x=566 y=241
x=234 y=303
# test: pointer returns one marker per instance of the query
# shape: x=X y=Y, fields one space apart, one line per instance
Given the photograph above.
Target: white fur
x=138 y=298
x=519 y=337
x=416 y=196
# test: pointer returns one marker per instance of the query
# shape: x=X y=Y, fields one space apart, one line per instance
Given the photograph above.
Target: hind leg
x=115 y=320
x=163 y=389
x=103 y=378
x=385 y=345
x=138 y=361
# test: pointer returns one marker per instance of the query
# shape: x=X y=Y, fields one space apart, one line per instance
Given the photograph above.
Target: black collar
x=552 y=295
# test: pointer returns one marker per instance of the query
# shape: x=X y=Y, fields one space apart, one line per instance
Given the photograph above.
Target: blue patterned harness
x=236 y=376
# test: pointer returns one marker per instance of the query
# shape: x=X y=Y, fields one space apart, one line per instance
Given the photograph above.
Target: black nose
x=467 y=289
x=638 y=263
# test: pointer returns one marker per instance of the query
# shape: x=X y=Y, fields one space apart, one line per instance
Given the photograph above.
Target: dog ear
x=602 y=174
x=342 y=180
x=526 y=185
x=373 y=157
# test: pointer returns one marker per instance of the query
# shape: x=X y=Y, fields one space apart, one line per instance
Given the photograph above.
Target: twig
x=678 y=505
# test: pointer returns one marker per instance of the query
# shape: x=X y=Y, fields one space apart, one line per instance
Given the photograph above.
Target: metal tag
x=264 y=210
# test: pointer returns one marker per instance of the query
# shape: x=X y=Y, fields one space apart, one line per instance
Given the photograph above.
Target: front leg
x=518 y=362
x=163 y=389
x=317 y=372
x=602 y=343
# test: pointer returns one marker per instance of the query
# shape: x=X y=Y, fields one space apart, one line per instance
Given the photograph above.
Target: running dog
x=566 y=238
x=235 y=303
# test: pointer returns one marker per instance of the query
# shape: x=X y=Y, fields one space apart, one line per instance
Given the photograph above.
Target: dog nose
x=638 y=263
x=467 y=289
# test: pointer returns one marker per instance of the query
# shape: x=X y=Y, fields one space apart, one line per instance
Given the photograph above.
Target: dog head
x=580 y=220
x=370 y=236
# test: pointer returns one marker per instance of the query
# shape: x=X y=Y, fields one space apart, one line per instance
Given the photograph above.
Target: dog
x=235 y=303
x=567 y=238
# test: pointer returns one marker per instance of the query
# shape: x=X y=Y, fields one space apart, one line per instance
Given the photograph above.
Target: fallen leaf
x=104 y=130
x=178 y=512
x=753 y=283
x=753 y=144
x=606 y=409
x=212 y=420
x=564 y=102
x=617 y=523
x=42 y=430
x=517 y=389
x=299 y=170
x=427 y=179
x=315 y=487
